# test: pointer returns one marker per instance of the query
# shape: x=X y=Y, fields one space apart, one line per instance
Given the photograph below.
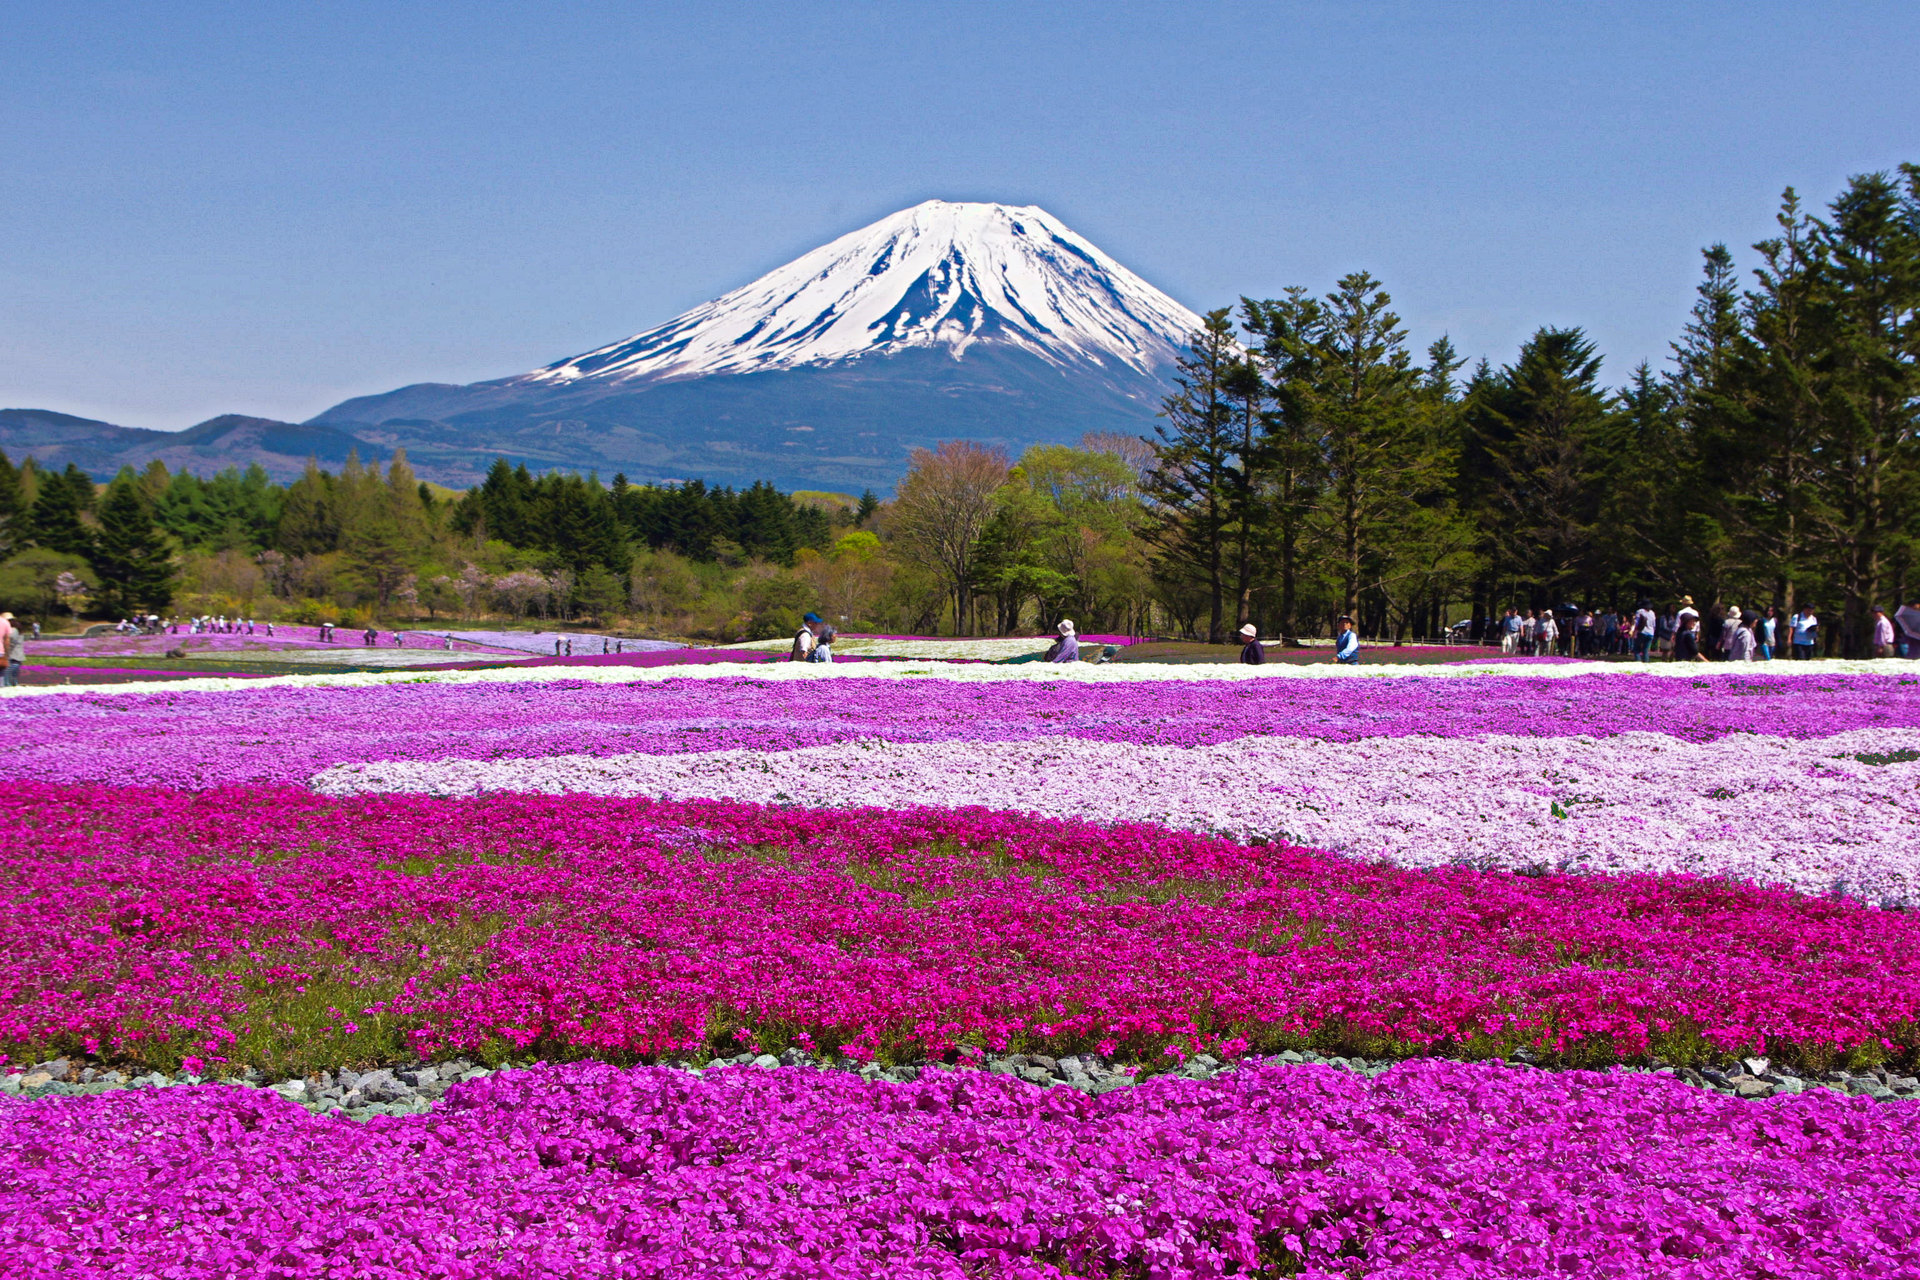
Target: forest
x=1309 y=464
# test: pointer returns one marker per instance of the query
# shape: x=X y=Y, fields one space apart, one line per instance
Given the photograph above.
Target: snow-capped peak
x=941 y=274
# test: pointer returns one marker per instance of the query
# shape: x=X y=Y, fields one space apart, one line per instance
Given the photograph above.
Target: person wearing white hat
x=1067 y=647
x=1251 y=653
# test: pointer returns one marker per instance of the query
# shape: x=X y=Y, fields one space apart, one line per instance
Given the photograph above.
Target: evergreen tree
x=385 y=529
x=11 y=506
x=1347 y=377
x=130 y=556
x=1288 y=462
x=1866 y=485
x=1194 y=483
x=1249 y=400
x=1709 y=343
x=309 y=522
x=1662 y=541
x=54 y=521
x=1541 y=424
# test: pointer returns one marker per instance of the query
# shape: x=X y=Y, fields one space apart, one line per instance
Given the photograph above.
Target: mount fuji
x=985 y=322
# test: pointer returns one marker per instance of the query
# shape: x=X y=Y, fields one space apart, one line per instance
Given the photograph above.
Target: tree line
x=1309 y=464
x=374 y=543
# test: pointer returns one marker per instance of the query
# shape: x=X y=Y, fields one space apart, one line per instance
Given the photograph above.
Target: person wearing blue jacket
x=1346 y=646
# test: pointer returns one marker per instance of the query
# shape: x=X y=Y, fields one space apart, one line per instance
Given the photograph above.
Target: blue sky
x=266 y=209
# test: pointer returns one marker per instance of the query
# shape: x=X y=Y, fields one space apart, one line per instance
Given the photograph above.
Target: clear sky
x=265 y=209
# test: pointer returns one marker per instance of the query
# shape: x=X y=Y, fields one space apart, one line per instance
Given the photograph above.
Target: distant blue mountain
x=101 y=448
x=944 y=321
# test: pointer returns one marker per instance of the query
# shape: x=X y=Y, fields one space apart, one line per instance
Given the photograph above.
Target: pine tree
x=1709 y=343
x=1250 y=407
x=54 y=521
x=1869 y=474
x=1348 y=380
x=130 y=556
x=386 y=528
x=1540 y=425
x=1288 y=463
x=1193 y=481
x=309 y=522
x=11 y=506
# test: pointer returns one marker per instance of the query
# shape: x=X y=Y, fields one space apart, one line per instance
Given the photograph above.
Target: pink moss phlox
x=1434 y=1170
x=622 y=925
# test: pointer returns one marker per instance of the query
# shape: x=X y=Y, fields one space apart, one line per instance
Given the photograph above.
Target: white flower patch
x=1806 y=814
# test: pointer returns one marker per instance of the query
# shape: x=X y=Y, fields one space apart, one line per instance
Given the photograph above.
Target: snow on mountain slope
x=938 y=275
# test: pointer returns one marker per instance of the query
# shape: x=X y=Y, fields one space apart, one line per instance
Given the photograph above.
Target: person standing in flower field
x=1644 y=626
x=1804 y=629
x=1252 y=653
x=1546 y=633
x=804 y=639
x=822 y=643
x=1768 y=633
x=1882 y=634
x=7 y=631
x=16 y=648
x=1346 y=645
x=1686 y=641
x=1738 y=637
x=1906 y=621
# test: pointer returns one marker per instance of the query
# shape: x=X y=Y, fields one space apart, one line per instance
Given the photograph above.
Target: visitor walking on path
x=1252 y=653
x=1769 y=633
x=1882 y=634
x=1346 y=646
x=823 y=636
x=1067 y=647
x=1546 y=633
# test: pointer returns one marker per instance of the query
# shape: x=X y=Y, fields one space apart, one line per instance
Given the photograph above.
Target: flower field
x=914 y=871
x=1432 y=1170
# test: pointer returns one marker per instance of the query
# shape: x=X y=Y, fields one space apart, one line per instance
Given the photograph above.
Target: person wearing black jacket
x=1686 y=641
x=1252 y=653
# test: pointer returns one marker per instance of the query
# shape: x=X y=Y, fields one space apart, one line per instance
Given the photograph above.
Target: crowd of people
x=1680 y=633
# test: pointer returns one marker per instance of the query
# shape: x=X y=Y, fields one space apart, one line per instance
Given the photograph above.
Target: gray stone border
x=397 y=1091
